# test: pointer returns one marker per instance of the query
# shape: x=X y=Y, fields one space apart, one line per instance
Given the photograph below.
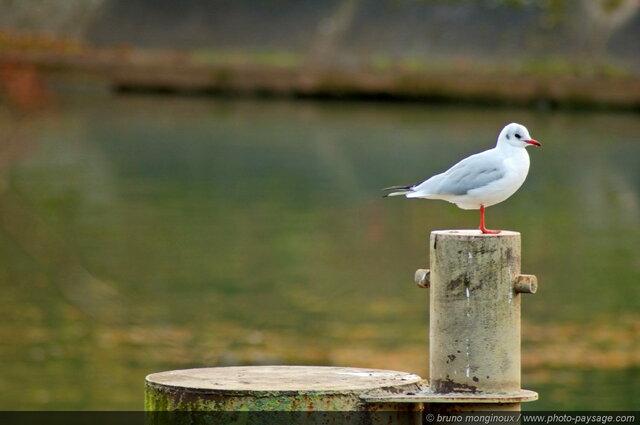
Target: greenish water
x=140 y=234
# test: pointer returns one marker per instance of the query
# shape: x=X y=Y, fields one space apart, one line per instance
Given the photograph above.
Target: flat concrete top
x=282 y=378
x=475 y=233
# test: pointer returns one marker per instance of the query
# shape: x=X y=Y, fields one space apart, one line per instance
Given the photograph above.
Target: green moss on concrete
x=158 y=398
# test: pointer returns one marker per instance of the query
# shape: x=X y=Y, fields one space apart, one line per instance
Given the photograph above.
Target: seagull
x=481 y=180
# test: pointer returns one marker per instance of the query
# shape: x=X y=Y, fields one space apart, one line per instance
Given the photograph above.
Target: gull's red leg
x=482 y=228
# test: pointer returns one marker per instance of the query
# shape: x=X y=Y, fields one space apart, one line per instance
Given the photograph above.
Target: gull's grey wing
x=471 y=173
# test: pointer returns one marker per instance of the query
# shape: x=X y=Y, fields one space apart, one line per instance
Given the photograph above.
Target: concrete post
x=474 y=312
x=283 y=389
x=474 y=333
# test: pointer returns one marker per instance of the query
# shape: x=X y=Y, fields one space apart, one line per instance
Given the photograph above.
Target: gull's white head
x=516 y=135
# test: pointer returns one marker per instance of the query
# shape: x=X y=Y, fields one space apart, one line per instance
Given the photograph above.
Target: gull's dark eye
x=518 y=136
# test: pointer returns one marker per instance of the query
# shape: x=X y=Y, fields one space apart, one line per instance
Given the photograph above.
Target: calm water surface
x=140 y=234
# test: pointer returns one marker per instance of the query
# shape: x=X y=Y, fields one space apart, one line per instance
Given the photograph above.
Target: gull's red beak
x=532 y=142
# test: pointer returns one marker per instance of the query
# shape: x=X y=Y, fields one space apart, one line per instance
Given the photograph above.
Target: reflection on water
x=144 y=234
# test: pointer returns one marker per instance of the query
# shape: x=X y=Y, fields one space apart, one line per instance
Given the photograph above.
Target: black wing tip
x=398 y=187
x=397 y=190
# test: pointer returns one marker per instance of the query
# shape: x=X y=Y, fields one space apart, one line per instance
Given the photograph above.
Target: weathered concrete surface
x=475 y=312
x=275 y=388
x=427 y=396
x=475 y=285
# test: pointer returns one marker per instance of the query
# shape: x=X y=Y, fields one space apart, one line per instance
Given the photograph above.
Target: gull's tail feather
x=398 y=190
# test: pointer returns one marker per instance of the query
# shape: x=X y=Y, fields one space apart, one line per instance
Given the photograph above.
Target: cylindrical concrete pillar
x=284 y=389
x=474 y=312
